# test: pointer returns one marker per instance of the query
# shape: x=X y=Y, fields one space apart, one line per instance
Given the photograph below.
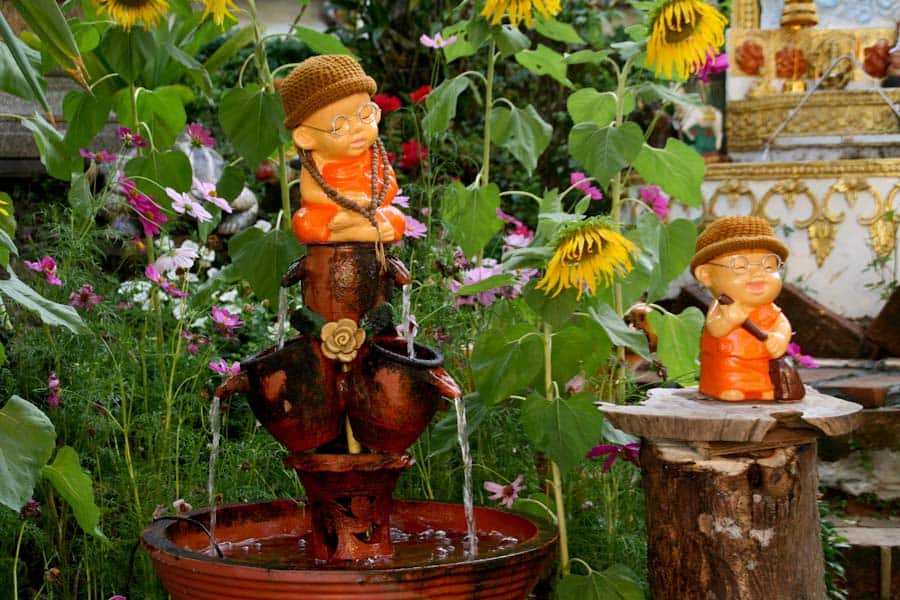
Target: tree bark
x=741 y=527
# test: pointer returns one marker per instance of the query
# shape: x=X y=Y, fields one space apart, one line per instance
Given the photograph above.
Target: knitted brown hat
x=317 y=82
x=730 y=234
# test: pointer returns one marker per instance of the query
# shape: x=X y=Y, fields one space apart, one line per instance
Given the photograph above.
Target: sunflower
x=518 y=10
x=683 y=33
x=219 y=10
x=585 y=252
x=127 y=12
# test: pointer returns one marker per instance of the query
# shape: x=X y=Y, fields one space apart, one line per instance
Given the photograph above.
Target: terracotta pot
x=395 y=396
x=292 y=393
x=188 y=573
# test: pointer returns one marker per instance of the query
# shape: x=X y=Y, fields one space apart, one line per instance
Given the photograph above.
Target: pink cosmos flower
x=150 y=215
x=85 y=298
x=183 y=202
x=47 y=266
x=656 y=200
x=425 y=211
x=117 y=597
x=713 y=65
x=412 y=153
x=194 y=341
x=208 y=191
x=55 y=388
x=413 y=326
x=517 y=239
x=221 y=367
x=628 y=452
x=200 y=135
x=176 y=258
x=98 y=157
x=503 y=216
x=225 y=322
x=489 y=268
x=804 y=360
x=131 y=139
x=581 y=182
x=400 y=200
x=156 y=277
x=576 y=384
x=182 y=507
x=414 y=228
x=506 y=494
x=387 y=103
x=437 y=42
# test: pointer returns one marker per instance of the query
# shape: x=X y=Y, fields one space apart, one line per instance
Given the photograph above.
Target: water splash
x=406 y=319
x=471 y=540
x=215 y=426
x=282 y=317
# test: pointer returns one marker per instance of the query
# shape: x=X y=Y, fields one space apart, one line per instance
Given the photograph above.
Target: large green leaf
x=128 y=52
x=159 y=170
x=554 y=310
x=556 y=30
x=470 y=215
x=19 y=68
x=231 y=183
x=254 y=122
x=75 y=486
x=27 y=437
x=236 y=40
x=509 y=40
x=444 y=436
x=506 y=359
x=678 y=346
x=545 y=61
x=677 y=169
x=523 y=132
x=50 y=312
x=492 y=282
x=670 y=247
x=564 y=429
x=587 y=105
x=320 y=43
x=56 y=157
x=86 y=115
x=441 y=105
x=604 y=151
x=262 y=259
x=469 y=37
x=578 y=348
x=618 y=331
x=48 y=23
x=162 y=110
x=615 y=583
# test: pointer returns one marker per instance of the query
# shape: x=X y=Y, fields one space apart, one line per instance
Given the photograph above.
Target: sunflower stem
x=550 y=395
x=488 y=106
x=262 y=63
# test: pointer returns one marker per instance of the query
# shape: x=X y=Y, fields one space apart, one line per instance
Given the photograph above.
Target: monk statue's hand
x=776 y=344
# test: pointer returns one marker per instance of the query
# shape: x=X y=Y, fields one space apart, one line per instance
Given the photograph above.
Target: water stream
x=471 y=540
x=282 y=317
x=406 y=320
x=215 y=426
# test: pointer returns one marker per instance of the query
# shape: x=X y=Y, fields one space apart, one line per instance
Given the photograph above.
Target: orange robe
x=738 y=361
x=349 y=176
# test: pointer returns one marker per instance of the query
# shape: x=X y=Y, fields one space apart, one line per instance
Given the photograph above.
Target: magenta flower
x=98 y=157
x=804 y=360
x=183 y=202
x=85 y=298
x=47 y=266
x=713 y=65
x=55 y=388
x=208 y=191
x=150 y=215
x=194 y=341
x=225 y=322
x=415 y=228
x=581 y=182
x=400 y=200
x=200 y=136
x=221 y=367
x=437 y=42
x=576 y=384
x=517 y=239
x=656 y=200
x=508 y=218
x=629 y=452
x=131 y=139
x=506 y=494
x=117 y=597
x=156 y=277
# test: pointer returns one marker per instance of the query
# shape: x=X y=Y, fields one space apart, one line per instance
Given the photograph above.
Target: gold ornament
x=341 y=339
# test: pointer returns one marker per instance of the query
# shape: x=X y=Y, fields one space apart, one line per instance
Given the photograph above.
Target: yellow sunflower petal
x=682 y=33
x=129 y=12
x=519 y=10
x=219 y=10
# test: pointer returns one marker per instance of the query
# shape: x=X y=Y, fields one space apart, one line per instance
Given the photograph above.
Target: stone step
x=872 y=562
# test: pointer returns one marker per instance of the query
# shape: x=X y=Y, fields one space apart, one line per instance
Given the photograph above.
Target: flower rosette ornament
x=342 y=339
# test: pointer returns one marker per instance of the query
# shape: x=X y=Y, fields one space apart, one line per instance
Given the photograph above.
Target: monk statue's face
x=343 y=129
x=749 y=277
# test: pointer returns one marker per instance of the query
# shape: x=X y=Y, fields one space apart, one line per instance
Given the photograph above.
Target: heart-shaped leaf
x=679 y=343
x=677 y=169
x=27 y=437
x=254 y=122
x=441 y=105
x=545 y=61
x=470 y=215
x=262 y=258
x=504 y=360
x=75 y=486
x=523 y=132
x=564 y=428
x=605 y=151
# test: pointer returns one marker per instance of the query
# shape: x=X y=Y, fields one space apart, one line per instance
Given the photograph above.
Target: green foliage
x=26 y=444
x=562 y=428
x=615 y=583
x=523 y=132
x=253 y=120
x=679 y=343
x=156 y=171
x=505 y=361
x=128 y=52
x=677 y=169
x=605 y=151
x=86 y=114
x=545 y=61
x=19 y=66
x=56 y=156
x=262 y=259
x=441 y=104
x=49 y=312
x=75 y=486
x=470 y=215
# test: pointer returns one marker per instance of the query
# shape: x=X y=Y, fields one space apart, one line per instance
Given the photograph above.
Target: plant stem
x=262 y=63
x=488 y=107
x=285 y=189
x=15 y=575
x=557 y=478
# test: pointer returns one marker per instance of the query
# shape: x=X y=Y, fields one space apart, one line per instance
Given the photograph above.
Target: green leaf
x=19 y=68
x=670 y=246
x=320 y=43
x=27 y=437
x=605 y=151
x=564 y=429
x=50 y=312
x=587 y=105
x=254 y=122
x=557 y=30
x=85 y=115
x=656 y=91
x=615 y=583
x=75 y=486
x=677 y=169
x=523 y=132
x=441 y=105
x=470 y=215
x=470 y=35
x=578 y=349
x=231 y=183
x=444 y=436
x=505 y=360
x=81 y=202
x=198 y=72
x=128 y=52
x=555 y=311
x=87 y=35
x=162 y=110
x=262 y=258
x=618 y=331
x=510 y=40
x=56 y=157
x=159 y=170
x=536 y=505
x=48 y=23
x=545 y=61
x=594 y=57
x=236 y=40
x=678 y=346
x=492 y=282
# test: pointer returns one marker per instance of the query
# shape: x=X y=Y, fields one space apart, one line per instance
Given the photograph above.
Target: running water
x=282 y=317
x=471 y=541
x=406 y=319
x=215 y=425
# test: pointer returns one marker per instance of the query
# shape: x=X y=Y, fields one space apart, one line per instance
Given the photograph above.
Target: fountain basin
x=503 y=571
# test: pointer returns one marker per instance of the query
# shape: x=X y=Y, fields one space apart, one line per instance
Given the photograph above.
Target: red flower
x=412 y=153
x=387 y=103
x=420 y=94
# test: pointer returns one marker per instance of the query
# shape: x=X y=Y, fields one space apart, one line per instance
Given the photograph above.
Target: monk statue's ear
x=303 y=139
x=703 y=275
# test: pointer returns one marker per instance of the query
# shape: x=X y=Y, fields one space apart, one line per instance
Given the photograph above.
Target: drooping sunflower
x=683 y=33
x=585 y=252
x=128 y=12
x=219 y=10
x=519 y=10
